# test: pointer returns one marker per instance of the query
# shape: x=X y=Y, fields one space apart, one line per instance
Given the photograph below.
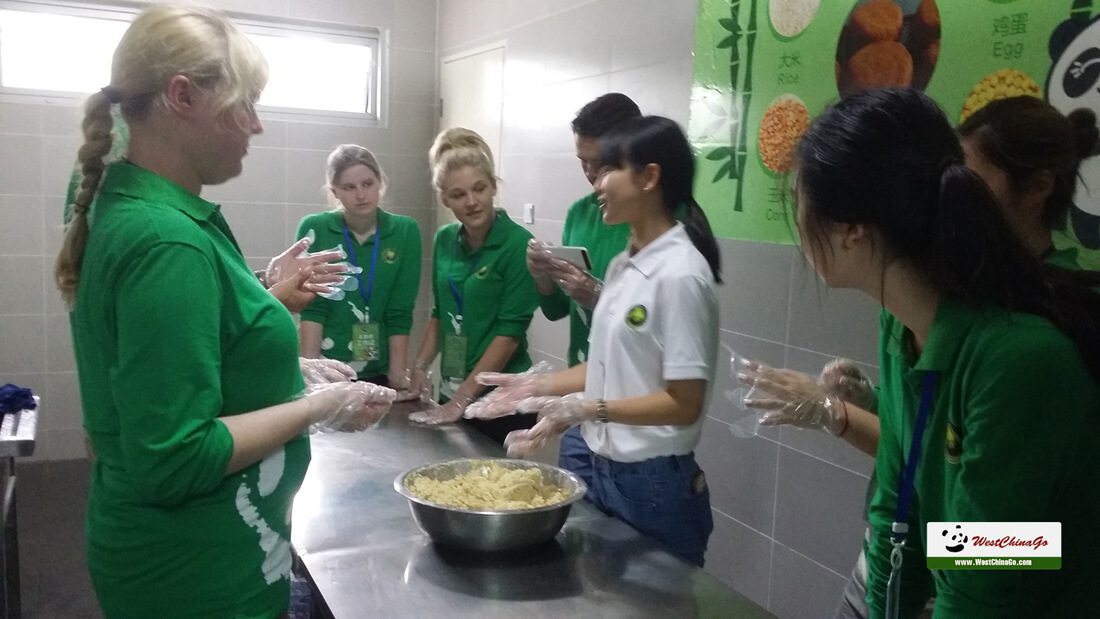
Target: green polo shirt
x=1015 y=394
x=584 y=227
x=392 y=297
x=1065 y=239
x=497 y=291
x=171 y=330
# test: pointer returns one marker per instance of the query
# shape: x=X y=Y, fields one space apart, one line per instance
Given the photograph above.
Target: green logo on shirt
x=636 y=317
x=389 y=256
x=482 y=273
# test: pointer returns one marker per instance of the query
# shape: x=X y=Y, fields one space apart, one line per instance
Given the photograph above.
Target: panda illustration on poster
x=1074 y=82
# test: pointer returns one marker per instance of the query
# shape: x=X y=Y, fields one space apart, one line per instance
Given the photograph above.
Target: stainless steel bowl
x=490 y=530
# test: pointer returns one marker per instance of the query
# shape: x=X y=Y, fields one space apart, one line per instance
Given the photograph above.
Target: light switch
x=528 y=213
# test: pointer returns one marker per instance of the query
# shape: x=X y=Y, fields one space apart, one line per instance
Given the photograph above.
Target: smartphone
x=576 y=255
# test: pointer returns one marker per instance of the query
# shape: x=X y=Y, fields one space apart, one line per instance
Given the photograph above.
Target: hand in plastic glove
x=579 y=284
x=400 y=381
x=348 y=407
x=555 y=417
x=295 y=258
x=792 y=398
x=511 y=389
x=845 y=380
x=448 y=413
x=420 y=382
x=539 y=263
x=324 y=371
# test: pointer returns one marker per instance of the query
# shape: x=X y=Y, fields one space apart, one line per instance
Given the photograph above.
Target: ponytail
x=97 y=143
x=702 y=237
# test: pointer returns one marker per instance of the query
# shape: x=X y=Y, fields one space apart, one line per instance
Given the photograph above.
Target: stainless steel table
x=365 y=557
x=17 y=434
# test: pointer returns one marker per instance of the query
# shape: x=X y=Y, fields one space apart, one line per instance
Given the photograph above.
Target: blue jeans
x=664 y=498
x=574 y=455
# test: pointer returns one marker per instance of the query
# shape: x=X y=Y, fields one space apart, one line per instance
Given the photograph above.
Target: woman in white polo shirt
x=652 y=352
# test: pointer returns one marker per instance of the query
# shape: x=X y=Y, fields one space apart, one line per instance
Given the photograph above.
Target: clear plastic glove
x=844 y=379
x=447 y=413
x=420 y=382
x=400 y=381
x=579 y=284
x=556 y=415
x=792 y=398
x=539 y=263
x=348 y=407
x=511 y=389
x=289 y=263
x=324 y=371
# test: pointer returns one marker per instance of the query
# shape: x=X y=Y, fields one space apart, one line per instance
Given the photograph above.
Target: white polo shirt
x=656 y=320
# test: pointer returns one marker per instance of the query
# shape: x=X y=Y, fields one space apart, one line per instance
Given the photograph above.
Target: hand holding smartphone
x=576 y=255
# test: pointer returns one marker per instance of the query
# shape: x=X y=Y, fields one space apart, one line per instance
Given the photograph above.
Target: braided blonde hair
x=457 y=148
x=162 y=42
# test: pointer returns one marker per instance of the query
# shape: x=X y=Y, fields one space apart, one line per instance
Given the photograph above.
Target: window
x=313 y=69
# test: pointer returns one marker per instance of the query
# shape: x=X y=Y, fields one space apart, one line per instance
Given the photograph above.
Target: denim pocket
x=640 y=491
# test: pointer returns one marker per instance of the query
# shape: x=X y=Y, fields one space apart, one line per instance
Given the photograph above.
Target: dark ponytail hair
x=655 y=139
x=890 y=160
x=1024 y=136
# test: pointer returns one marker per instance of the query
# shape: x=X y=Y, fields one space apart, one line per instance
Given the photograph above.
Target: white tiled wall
x=281 y=184
x=787 y=503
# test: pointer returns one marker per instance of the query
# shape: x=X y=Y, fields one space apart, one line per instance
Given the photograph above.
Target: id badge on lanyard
x=366 y=342
x=900 y=529
x=366 y=336
x=455 y=345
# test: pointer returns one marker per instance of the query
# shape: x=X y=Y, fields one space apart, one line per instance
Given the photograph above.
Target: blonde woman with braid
x=188 y=368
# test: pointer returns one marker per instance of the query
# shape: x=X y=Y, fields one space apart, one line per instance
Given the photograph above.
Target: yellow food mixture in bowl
x=489 y=486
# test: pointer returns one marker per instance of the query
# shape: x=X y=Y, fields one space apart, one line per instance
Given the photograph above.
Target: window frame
x=250 y=24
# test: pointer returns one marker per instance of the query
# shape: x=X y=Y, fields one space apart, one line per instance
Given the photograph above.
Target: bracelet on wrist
x=601 y=411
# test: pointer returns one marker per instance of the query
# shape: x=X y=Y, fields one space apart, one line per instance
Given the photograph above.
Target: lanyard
x=900 y=529
x=373 y=261
x=905 y=485
x=455 y=292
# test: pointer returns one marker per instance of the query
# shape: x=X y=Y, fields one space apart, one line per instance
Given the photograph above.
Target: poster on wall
x=764 y=69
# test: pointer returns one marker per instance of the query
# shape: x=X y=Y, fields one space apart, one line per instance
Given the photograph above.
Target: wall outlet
x=528 y=213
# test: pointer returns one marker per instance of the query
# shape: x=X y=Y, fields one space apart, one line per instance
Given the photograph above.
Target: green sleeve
x=555 y=305
x=167 y=383
x=399 y=311
x=318 y=309
x=520 y=297
x=1008 y=467
x=437 y=258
